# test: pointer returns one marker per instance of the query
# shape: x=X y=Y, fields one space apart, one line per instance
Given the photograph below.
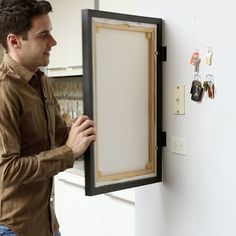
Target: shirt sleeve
x=14 y=168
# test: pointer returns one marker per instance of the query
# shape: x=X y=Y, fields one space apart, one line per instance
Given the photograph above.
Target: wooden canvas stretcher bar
x=147 y=166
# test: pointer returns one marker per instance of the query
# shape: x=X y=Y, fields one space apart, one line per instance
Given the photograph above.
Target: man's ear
x=13 y=41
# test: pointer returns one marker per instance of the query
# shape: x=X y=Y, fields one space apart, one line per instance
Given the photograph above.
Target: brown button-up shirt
x=32 y=150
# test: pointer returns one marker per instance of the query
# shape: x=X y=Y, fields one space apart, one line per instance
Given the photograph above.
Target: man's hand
x=82 y=133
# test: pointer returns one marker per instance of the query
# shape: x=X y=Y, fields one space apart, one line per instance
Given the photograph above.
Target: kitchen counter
x=76 y=176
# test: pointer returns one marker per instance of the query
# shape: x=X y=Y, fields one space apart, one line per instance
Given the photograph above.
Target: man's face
x=35 y=50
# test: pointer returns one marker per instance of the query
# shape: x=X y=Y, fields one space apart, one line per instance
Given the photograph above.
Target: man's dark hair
x=16 y=16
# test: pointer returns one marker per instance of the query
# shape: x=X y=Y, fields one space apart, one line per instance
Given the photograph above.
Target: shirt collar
x=19 y=69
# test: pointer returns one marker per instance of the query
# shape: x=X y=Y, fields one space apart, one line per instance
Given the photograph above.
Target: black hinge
x=163 y=53
x=161 y=139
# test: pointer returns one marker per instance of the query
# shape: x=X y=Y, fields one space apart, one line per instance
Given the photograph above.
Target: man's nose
x=53 y=42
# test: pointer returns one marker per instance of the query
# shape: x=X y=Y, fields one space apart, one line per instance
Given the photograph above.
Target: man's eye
x=44 y=35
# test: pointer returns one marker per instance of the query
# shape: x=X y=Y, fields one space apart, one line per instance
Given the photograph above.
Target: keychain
x=211 y=89
x=209 y=55
x=209 y=86
x=196 y=89
x=195 y=60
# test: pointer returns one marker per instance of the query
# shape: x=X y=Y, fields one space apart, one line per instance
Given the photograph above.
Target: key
x=195 y=60
x=196 y=64
x=205 y=85
x=210 y=90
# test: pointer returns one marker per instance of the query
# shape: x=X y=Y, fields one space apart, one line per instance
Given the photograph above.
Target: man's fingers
x=86 y=124
x=79 y=120
x=89 y=131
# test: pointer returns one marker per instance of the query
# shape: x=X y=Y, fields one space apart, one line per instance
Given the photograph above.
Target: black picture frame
x=95 y=182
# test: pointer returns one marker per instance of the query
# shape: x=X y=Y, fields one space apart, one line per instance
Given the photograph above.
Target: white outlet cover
x=179 y=145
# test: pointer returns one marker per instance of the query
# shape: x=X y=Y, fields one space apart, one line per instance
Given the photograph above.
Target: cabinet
x=66 y=56
x=121 y=51
x=118 y=6
x=103 y=215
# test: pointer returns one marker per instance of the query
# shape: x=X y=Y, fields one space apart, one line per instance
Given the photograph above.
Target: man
x=35 y=143
x=1 y=53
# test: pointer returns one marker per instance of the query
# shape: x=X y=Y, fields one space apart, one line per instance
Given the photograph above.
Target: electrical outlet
x=179 y=145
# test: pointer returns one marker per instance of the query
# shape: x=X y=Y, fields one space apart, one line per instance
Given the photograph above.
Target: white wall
x=198 y=194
